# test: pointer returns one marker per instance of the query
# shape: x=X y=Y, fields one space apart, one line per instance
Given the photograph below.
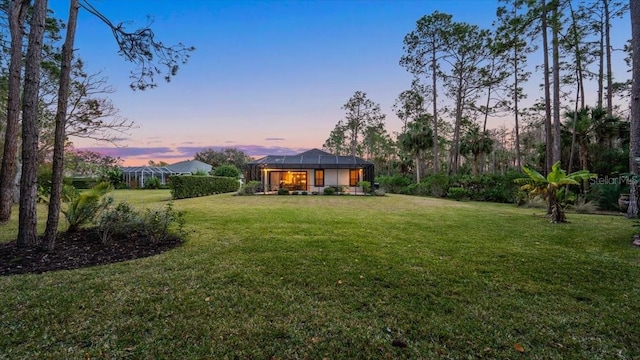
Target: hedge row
x=189 y=186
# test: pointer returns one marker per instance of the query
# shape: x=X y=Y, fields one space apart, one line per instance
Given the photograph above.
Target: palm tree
x=476 y=142
x=589 y=125
x=549 y=186
x=417 y=139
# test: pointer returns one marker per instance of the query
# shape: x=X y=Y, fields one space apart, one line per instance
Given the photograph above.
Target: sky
x=267 y=77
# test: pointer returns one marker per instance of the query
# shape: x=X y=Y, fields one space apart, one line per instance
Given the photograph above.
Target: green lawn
x=342 y=277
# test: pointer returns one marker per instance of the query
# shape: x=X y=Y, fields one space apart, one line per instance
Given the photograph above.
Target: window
x=354 y=177
x=319 y=178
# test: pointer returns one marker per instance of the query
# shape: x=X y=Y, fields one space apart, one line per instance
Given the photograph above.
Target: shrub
x=250 y=188
x=582 y=206
x=437 y=185
x=121 y=219
x=124 y=221
x=227 y=170
x=160 y=225
x=329 y=191
x=394 y=183
x=294 y=193
x=606 y=195
x=152 y=183
x=366 y=186
x=84 y=207
x=183 y=187
x=83 y=183
x=305 y=193
x=283 y=191
x=114 y=176
x=457 y=193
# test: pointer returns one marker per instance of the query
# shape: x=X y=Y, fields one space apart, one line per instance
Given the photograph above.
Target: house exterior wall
x=332 y=177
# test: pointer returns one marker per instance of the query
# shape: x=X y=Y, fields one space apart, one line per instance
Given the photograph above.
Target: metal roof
x=156 y=170
x=182 y=167
x=313 y=158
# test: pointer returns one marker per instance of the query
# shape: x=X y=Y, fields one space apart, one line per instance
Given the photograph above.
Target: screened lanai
x=135 y=176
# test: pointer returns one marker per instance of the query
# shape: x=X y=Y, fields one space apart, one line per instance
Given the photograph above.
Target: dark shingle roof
x=313 y=158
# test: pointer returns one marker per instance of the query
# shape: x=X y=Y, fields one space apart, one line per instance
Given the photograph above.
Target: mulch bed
x=78 y=250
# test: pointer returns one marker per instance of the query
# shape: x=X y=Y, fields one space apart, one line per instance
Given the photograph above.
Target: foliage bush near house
x=250 y=188
x=329 y=191
x=366 y=186
x=227 y=170
x=283 y=191
x=457 y=193
x=393 y=183
x=190 y=186
x=152 y=183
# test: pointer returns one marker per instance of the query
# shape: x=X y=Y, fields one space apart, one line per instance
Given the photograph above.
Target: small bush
x=124 y=221
x=283 y=191
x=394 y=183
x=329 y=191
x=582 y=206
x=250 y=188
x=84 y=207
x=160 y=225
x=457 y=193
x=152 y=183
x=294 y=193
x=121 y=219
x=227 y=170
x=437 y=185
x=305 y=193
x=366 y=186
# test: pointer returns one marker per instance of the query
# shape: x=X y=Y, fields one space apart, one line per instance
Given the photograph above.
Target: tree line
x=464 y=76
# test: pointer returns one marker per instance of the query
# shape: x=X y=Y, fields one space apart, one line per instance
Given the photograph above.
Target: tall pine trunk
x=634 y=148
x=17 y=17
x=607 y=39
x=555 y=43
x=547 y=92
x=61 y=119
x=27 y=220
x=434 y=67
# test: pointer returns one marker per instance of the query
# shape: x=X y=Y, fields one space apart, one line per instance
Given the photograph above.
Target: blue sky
x=267 y=77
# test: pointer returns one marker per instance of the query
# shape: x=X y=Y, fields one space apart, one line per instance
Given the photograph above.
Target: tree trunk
x=61 y=117
x=27 y=220
x=515 y=109
x=555 y=30
x=607 y=39
x=547 y=92
x=434 y=67
x=634 y=147
x=17 y=17
x=601 y=65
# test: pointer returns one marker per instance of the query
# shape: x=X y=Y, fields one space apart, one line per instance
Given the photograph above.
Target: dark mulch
x=78 y=250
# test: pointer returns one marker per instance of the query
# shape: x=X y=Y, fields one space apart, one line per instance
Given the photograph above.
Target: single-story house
x=312 y=170
x=135 y=176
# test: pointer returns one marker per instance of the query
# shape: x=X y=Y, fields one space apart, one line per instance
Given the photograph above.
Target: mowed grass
x=343 y=277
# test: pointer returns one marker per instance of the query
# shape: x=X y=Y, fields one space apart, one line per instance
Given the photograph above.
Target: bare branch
x=141 y=48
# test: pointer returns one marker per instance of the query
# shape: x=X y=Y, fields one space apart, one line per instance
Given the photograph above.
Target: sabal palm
x=549 y=186
x=417 y=139
x=590 y=124
x=475 y=142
